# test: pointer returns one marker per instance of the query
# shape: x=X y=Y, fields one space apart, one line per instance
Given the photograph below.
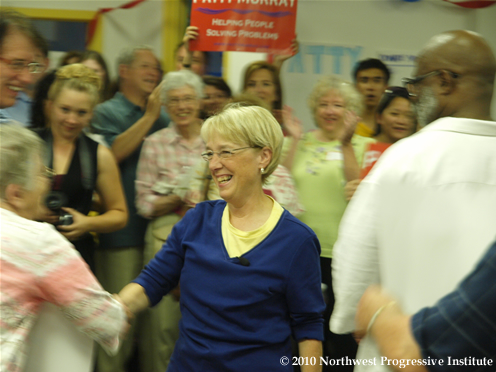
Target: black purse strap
x=86 y=158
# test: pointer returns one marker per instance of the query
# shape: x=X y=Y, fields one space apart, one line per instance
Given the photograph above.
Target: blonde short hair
x=252 y=125
x=353 y=100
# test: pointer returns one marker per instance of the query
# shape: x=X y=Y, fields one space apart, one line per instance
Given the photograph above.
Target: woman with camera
x=80 y=165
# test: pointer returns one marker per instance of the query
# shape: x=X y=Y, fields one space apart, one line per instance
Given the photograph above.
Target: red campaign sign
x=266 y=26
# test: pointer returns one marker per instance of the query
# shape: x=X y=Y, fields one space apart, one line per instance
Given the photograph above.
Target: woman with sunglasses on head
x=395 y=117
x=81 y=166
x=395 y=120
x=249 y=270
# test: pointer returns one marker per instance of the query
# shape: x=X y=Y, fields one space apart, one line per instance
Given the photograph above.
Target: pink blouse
x=37 y=264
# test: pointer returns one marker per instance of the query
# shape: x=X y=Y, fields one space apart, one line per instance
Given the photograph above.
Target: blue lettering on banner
x=406 y=60
x=316 y=52
x=337 y=53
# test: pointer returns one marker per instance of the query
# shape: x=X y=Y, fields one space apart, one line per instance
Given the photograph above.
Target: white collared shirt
x=419 y=222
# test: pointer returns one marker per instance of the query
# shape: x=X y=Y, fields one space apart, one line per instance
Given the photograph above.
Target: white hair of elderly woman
x=178 y=79
x=19 y=149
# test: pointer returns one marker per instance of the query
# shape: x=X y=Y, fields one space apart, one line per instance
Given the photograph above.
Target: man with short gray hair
x=21 y=110
x=18 y=43
x=125 y=121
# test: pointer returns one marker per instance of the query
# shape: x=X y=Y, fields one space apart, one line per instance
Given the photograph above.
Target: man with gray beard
x=423 y=217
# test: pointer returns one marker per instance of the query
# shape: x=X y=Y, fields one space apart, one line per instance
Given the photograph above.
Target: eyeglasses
x=410 y=83
x=224 y=154
x=173 y=102
x=19 y=65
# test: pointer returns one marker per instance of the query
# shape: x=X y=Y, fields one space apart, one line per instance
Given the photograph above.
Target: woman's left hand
x=78 y=226
x=293 y=49
x=291 y=123
x=350 y=123
x=350 y=188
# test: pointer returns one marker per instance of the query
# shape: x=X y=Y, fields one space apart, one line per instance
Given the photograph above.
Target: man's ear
x=123 y=71
x=447 y=83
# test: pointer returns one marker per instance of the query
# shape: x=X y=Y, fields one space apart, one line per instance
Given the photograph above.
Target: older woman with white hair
x=249 y=270
x=165 y=163
x=38 y=264
x=169 y=152
x=321 y=162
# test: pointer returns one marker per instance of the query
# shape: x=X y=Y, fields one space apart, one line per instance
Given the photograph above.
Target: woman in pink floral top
x=39 y=265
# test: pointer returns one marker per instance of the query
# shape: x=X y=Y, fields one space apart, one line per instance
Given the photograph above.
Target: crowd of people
x=230 y=237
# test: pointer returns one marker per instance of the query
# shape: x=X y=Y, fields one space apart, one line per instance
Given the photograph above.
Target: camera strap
x=85 y=158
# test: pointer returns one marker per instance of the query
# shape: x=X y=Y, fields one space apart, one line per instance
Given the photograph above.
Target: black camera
x=54 y=201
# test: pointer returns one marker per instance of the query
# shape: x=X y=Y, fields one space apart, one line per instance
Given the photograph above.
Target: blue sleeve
x=304 y=294
x=162 y=273
x=104 y=124
x=463 y=323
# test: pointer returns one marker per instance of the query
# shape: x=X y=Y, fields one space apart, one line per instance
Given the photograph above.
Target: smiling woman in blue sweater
x=249 y=270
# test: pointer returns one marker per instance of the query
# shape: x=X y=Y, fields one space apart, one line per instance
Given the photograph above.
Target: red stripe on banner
x=472 y=4
x=94 y=22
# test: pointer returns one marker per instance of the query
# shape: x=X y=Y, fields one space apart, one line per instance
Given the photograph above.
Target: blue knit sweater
x=237 y=317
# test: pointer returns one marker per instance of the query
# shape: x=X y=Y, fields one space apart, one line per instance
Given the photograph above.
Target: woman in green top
x=321 y=162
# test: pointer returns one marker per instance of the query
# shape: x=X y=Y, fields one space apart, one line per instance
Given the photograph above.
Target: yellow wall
x=174 y=18
x=68 y=15
x=175 y=15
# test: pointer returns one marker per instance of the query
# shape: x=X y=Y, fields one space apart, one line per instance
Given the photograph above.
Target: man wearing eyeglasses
x=17 y=56
x=21 y=110
x=422 y=218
